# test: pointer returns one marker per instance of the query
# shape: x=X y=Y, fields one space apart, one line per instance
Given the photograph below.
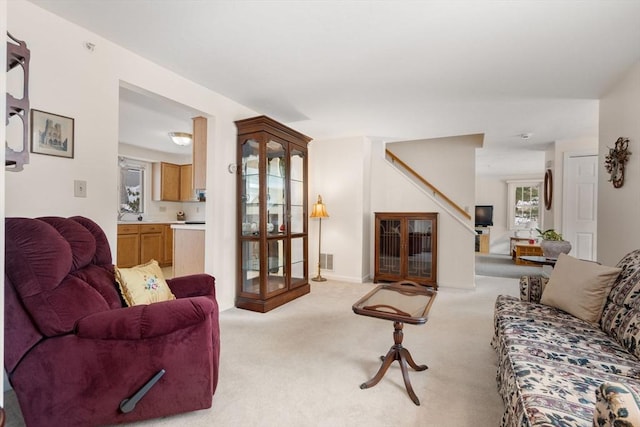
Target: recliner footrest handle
x=128 y=405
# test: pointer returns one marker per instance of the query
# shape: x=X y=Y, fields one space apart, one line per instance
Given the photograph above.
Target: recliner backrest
x=60 y=269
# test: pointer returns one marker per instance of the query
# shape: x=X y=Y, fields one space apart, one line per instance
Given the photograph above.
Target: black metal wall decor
x=615 y=161
x=18 y=108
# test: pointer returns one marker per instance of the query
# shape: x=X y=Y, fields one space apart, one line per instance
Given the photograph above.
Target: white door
x=580 y=204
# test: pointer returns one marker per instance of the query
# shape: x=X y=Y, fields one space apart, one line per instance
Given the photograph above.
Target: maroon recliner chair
x=76 y=355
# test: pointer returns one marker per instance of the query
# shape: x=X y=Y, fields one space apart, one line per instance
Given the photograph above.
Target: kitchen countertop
x=151 y=221
x=183 y=226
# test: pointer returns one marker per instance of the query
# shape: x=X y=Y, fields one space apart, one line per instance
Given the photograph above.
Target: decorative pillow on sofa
x=143 y=284
x=579 y=287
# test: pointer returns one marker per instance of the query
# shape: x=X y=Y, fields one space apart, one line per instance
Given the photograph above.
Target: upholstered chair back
x=621 y=314
x=57 y=270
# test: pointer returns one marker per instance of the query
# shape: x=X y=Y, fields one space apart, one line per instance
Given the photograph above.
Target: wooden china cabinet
x=406 y=247
x=271 y=214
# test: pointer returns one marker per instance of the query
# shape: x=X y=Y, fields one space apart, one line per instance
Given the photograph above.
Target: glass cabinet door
x=298 y=263
x=389 y=241
x=419 y=247
x=297 y=165
x=276 y=215
x=250 y=216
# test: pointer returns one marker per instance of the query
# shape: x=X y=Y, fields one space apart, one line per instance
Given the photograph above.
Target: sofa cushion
x=550 y=334
x=579 y=287
x=549 y=393
x=621 y=314
x=143 y=284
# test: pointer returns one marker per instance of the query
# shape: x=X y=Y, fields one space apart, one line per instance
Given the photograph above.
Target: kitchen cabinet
x=271 y=214
x=187 y=192
x=406 y=247
x=151 y=242
x=140 y=243
x=172 y=183
x=128 y=245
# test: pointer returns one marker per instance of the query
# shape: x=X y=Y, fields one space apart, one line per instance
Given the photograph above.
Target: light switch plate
x=80 y=188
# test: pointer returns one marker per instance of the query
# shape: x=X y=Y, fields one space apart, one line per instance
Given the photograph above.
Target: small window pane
x=131 y=189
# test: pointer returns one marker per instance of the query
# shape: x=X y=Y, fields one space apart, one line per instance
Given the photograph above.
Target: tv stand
x=482 y=240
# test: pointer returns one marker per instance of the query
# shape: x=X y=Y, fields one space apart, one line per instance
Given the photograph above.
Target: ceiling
x=395 y=70
x=145 y=120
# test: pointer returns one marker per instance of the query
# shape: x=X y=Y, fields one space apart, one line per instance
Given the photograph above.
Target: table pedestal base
x=402 y=355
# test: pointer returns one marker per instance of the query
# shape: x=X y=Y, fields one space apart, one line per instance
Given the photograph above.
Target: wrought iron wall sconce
x=615 y=161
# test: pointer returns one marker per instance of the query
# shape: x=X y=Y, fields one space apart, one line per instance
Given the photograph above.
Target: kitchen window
x=131 y=187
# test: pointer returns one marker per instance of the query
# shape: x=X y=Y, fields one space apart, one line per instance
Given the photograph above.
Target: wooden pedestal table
x=402 y=302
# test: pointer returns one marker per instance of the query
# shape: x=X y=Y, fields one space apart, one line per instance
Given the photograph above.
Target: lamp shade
x=180 y=138
x=319 y=209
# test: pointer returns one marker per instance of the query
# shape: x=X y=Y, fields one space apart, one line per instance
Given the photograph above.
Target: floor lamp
x=319 y=211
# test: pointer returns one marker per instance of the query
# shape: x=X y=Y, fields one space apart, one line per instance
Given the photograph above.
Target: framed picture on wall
x=51 y=134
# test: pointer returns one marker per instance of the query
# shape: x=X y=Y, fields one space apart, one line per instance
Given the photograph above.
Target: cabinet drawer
x=128 y=229
x=151 y=228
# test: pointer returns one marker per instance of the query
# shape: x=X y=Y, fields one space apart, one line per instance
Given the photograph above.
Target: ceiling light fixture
x=180 y=138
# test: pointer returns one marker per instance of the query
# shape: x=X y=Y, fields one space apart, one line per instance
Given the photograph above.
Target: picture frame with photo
x=52 y=134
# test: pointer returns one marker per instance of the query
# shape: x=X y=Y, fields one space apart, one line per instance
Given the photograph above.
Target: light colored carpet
x=302 y=364
x=498 y=265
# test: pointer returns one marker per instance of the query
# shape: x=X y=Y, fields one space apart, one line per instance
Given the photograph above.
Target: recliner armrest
x=531 y=287
x=616 y=405
x=193 y=285
x=145 y=321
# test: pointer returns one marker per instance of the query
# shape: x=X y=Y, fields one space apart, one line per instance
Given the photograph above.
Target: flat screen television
x=484 y=215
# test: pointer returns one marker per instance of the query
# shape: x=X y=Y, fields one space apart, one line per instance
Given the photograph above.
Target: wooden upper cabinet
x=173 y=183
x=187 y=192
x=166 y=182
x=199 y=146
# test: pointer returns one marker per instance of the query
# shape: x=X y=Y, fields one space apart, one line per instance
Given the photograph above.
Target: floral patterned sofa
x=555 y=369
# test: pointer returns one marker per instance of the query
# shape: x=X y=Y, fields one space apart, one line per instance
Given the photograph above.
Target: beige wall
x=69 y=80
x=391 y=191
x=338 y=172
x=619 y=208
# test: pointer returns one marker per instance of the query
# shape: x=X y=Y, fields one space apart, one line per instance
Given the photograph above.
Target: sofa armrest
x=616 y=405
x=531 y=287
x=194 y=285
x=145 y=321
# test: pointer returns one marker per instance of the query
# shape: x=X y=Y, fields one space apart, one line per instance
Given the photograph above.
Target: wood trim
x=428 y=184
x=199 y=153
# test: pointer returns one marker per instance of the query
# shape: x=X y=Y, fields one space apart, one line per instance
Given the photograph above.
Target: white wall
x=619 y=208
x=3 y=105
x=67 y=79
x=446 y=163
x=391 y=191
x=337 y=171
x=356 y=181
